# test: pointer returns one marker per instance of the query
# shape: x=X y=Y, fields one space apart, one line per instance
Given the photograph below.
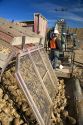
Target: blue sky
x=21 y=10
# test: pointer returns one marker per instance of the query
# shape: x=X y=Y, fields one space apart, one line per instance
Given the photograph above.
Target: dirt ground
x=69 y=89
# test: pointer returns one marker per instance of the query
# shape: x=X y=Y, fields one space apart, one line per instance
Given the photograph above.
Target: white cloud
x=69 y=14
x=72 y=16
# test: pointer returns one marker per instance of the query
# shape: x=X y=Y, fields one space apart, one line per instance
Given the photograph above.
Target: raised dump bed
x=36 y=82
x=33 y=89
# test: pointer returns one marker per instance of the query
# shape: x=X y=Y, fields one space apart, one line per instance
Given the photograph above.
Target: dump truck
x=30 y=91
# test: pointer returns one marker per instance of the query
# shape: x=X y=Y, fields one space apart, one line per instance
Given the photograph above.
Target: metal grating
x=31 y=83
x=48 y=65
x=44 y=73
x=49 y=85
x=39 y=63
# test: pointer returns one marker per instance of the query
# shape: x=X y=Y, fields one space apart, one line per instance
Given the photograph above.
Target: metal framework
x=35 y=79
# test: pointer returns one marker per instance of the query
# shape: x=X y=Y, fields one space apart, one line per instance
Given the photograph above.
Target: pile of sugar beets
x=14 y=108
